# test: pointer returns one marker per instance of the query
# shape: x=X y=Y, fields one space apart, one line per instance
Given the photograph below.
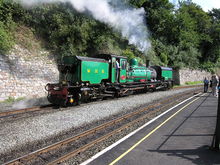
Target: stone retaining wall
x=187 y=75
x=23 y=74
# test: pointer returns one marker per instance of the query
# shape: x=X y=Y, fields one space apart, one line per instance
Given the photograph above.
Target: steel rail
x=19 y=111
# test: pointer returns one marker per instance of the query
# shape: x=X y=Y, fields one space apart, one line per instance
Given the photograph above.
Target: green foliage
x=69 y=32
x=164 y=58
x=140 y=61
x=160 y=18
x=128 y=53
x=6 y=41
x=6 y=27
x=193 y=82
x=209 y=66
x=153 y=59
x=182 y=37
x=212 y=49
x=10 y=99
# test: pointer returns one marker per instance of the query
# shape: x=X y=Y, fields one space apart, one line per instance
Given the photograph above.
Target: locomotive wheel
x=117 y=94
x=85 y=100
x=64 y=103
x=78 y=102
x=85 y=97
x=152 y=89
x=78 y=98
x=166 y=87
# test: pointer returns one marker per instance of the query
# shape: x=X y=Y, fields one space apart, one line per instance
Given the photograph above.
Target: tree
x=213 y=48
x=160 y=19
x=6 y=27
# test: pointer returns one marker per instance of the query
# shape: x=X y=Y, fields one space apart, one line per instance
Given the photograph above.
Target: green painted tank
x=138 y=73
x=78 y=69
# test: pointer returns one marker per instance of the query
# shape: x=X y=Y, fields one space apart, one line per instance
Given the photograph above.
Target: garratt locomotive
x=85 y=78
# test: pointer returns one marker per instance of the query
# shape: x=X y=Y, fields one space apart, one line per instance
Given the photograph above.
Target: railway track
x=39 y=108
x=22 y=111
x=68 y=148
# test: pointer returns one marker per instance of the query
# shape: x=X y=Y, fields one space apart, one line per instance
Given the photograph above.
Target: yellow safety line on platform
x=135 y=145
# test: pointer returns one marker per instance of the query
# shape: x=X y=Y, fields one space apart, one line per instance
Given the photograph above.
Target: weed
x=12 y=99
x=193 y=82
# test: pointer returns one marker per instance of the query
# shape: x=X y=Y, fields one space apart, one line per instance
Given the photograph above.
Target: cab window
x=113 y=63
x=123 y=64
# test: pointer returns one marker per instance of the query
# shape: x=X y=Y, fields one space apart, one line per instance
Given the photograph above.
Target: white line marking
x=132 y=133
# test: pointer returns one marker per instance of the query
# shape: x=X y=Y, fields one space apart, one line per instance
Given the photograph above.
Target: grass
x=25 y=37
x=189 y=83
x=193 y=82
x=12 y=99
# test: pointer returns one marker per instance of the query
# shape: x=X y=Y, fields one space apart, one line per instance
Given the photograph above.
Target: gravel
x=17 y=133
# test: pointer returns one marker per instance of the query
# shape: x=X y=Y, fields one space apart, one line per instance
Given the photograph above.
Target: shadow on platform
x=201 y=156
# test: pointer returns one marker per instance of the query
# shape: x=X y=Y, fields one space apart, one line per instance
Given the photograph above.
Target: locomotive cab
x=113 y=68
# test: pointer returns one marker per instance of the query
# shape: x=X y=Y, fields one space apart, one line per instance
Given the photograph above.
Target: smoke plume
x=128 y=21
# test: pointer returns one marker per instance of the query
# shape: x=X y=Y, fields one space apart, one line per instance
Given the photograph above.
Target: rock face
x=23 y=74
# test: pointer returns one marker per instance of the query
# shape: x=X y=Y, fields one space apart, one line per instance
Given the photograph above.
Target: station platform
x=180 y=137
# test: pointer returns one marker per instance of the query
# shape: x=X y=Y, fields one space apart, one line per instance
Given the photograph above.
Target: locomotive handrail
x=46 y=87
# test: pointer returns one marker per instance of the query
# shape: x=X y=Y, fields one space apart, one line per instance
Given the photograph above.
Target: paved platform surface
x=183 y=140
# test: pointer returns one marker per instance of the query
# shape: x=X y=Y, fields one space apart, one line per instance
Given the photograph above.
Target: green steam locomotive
x=105 y=75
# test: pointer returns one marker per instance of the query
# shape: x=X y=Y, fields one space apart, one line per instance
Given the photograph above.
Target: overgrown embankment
x=27 y=68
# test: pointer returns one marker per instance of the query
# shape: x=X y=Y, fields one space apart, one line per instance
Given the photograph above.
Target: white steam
x=128 y=21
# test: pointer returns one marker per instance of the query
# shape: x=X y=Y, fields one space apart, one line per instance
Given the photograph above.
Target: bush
x=6 y=41
x=128 y=53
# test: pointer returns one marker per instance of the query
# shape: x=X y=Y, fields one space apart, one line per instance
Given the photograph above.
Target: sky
x=205 y=4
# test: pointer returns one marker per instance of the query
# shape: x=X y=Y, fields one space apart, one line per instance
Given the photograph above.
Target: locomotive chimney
x=147 y=62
